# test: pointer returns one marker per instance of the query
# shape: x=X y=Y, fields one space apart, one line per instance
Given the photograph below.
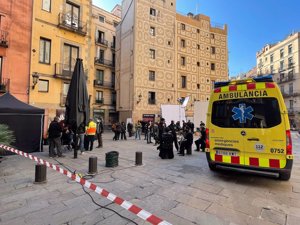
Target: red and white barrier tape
x=123 y=203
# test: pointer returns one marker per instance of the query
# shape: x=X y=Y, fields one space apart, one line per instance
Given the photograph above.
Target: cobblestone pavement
x=182 y=191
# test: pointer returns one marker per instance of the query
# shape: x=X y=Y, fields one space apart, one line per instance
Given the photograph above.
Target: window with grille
x=152 y=12
x=183 y=81
x=281 y=53
x=290 y=48
x=182 y=43
x=102 y=19
x=213 y=50
x=212 y=66
x=151 y=75
x=152 y=31
x=152 y=53
x=182 y=60
x=151 y=98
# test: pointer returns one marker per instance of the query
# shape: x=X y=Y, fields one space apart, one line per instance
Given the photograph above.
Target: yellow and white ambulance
x=248 y=128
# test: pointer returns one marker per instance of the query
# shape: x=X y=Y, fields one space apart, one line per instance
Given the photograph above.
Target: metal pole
x=138 y=158
x=40 y=174
x=92 y=165
x=76 y=146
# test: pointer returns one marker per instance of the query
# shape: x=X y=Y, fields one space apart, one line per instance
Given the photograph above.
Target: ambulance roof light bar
x=266 y=78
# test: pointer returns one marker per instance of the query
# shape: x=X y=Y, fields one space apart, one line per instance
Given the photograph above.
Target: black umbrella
x=77 y=102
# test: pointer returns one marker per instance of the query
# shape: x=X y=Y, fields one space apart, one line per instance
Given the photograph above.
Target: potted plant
x=6 y=137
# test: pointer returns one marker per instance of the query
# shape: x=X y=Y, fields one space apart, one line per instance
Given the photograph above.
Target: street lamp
x=35 y=79
x=139 y=99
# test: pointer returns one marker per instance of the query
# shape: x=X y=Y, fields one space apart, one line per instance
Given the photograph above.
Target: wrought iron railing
x=71 y=23
x=102 y=83
x=4 y=85
x=3 y=38
x=63 y=70
x=151 y=101
x=105 y=62
x=113 y=45
x=100 y=41
x=289 y=77
x=99 y=101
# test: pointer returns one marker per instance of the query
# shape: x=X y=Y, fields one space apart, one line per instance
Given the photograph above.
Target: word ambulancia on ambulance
x=248 y=128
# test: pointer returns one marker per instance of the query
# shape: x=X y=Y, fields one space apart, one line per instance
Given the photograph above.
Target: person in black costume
x=172 y=127
x=187 y=142
x=166 y=145
x=202 y=138
x=161 y=129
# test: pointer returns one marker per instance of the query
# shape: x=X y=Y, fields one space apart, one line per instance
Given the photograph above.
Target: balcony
x=99 y=101
x=151 y=101
x=4 y=85
x=102 y=42
x=64 y=71
x=293 y=94
x=288 y=78
x=104 y=62
x=3 y=39
x=113 y=45
x=71 y=23
x=63 y=99
x=103 y=84
x=291 y=112
x=291 y=65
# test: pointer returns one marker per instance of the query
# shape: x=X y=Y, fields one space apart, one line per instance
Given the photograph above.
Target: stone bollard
x=138 y=158
x=75 y=153
x=40 y=174
x=93 y=165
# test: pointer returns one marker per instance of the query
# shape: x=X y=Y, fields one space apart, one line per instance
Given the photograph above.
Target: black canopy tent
x=25 y=121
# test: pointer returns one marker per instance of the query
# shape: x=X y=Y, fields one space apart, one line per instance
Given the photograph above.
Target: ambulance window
x=246 y=113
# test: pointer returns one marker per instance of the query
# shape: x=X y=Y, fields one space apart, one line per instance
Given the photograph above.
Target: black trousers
x=202 y=143
x=123 y=136
x=89 y=142
x=185 y=145
x=55 y=143
x=100 y=142
x=197 y=143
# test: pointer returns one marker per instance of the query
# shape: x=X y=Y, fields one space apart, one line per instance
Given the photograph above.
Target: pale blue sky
x=251 y=24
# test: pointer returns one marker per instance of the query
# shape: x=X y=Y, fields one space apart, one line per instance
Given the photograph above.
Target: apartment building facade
x=201 y=57
x=15 y=47
x=60 y=33
x=163 y=56
x=282 y=60
x=103 y=38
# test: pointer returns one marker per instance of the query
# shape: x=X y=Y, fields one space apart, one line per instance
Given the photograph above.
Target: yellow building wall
x=46 y=25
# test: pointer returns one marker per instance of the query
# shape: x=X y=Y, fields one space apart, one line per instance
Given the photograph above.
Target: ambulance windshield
x=246 y=113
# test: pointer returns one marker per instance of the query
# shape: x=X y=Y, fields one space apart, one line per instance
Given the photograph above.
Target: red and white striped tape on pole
x=123 y=203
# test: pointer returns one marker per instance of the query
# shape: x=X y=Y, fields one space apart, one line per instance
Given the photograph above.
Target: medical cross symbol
x=242 y=113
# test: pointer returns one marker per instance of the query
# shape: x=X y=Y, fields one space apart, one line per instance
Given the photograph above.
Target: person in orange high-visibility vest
x=90 y=135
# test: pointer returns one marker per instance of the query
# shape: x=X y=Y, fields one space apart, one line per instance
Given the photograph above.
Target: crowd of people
x=164 y=136
x=61 y=134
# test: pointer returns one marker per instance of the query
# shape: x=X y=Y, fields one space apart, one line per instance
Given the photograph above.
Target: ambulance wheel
x=285 y=176
x=212 y=166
